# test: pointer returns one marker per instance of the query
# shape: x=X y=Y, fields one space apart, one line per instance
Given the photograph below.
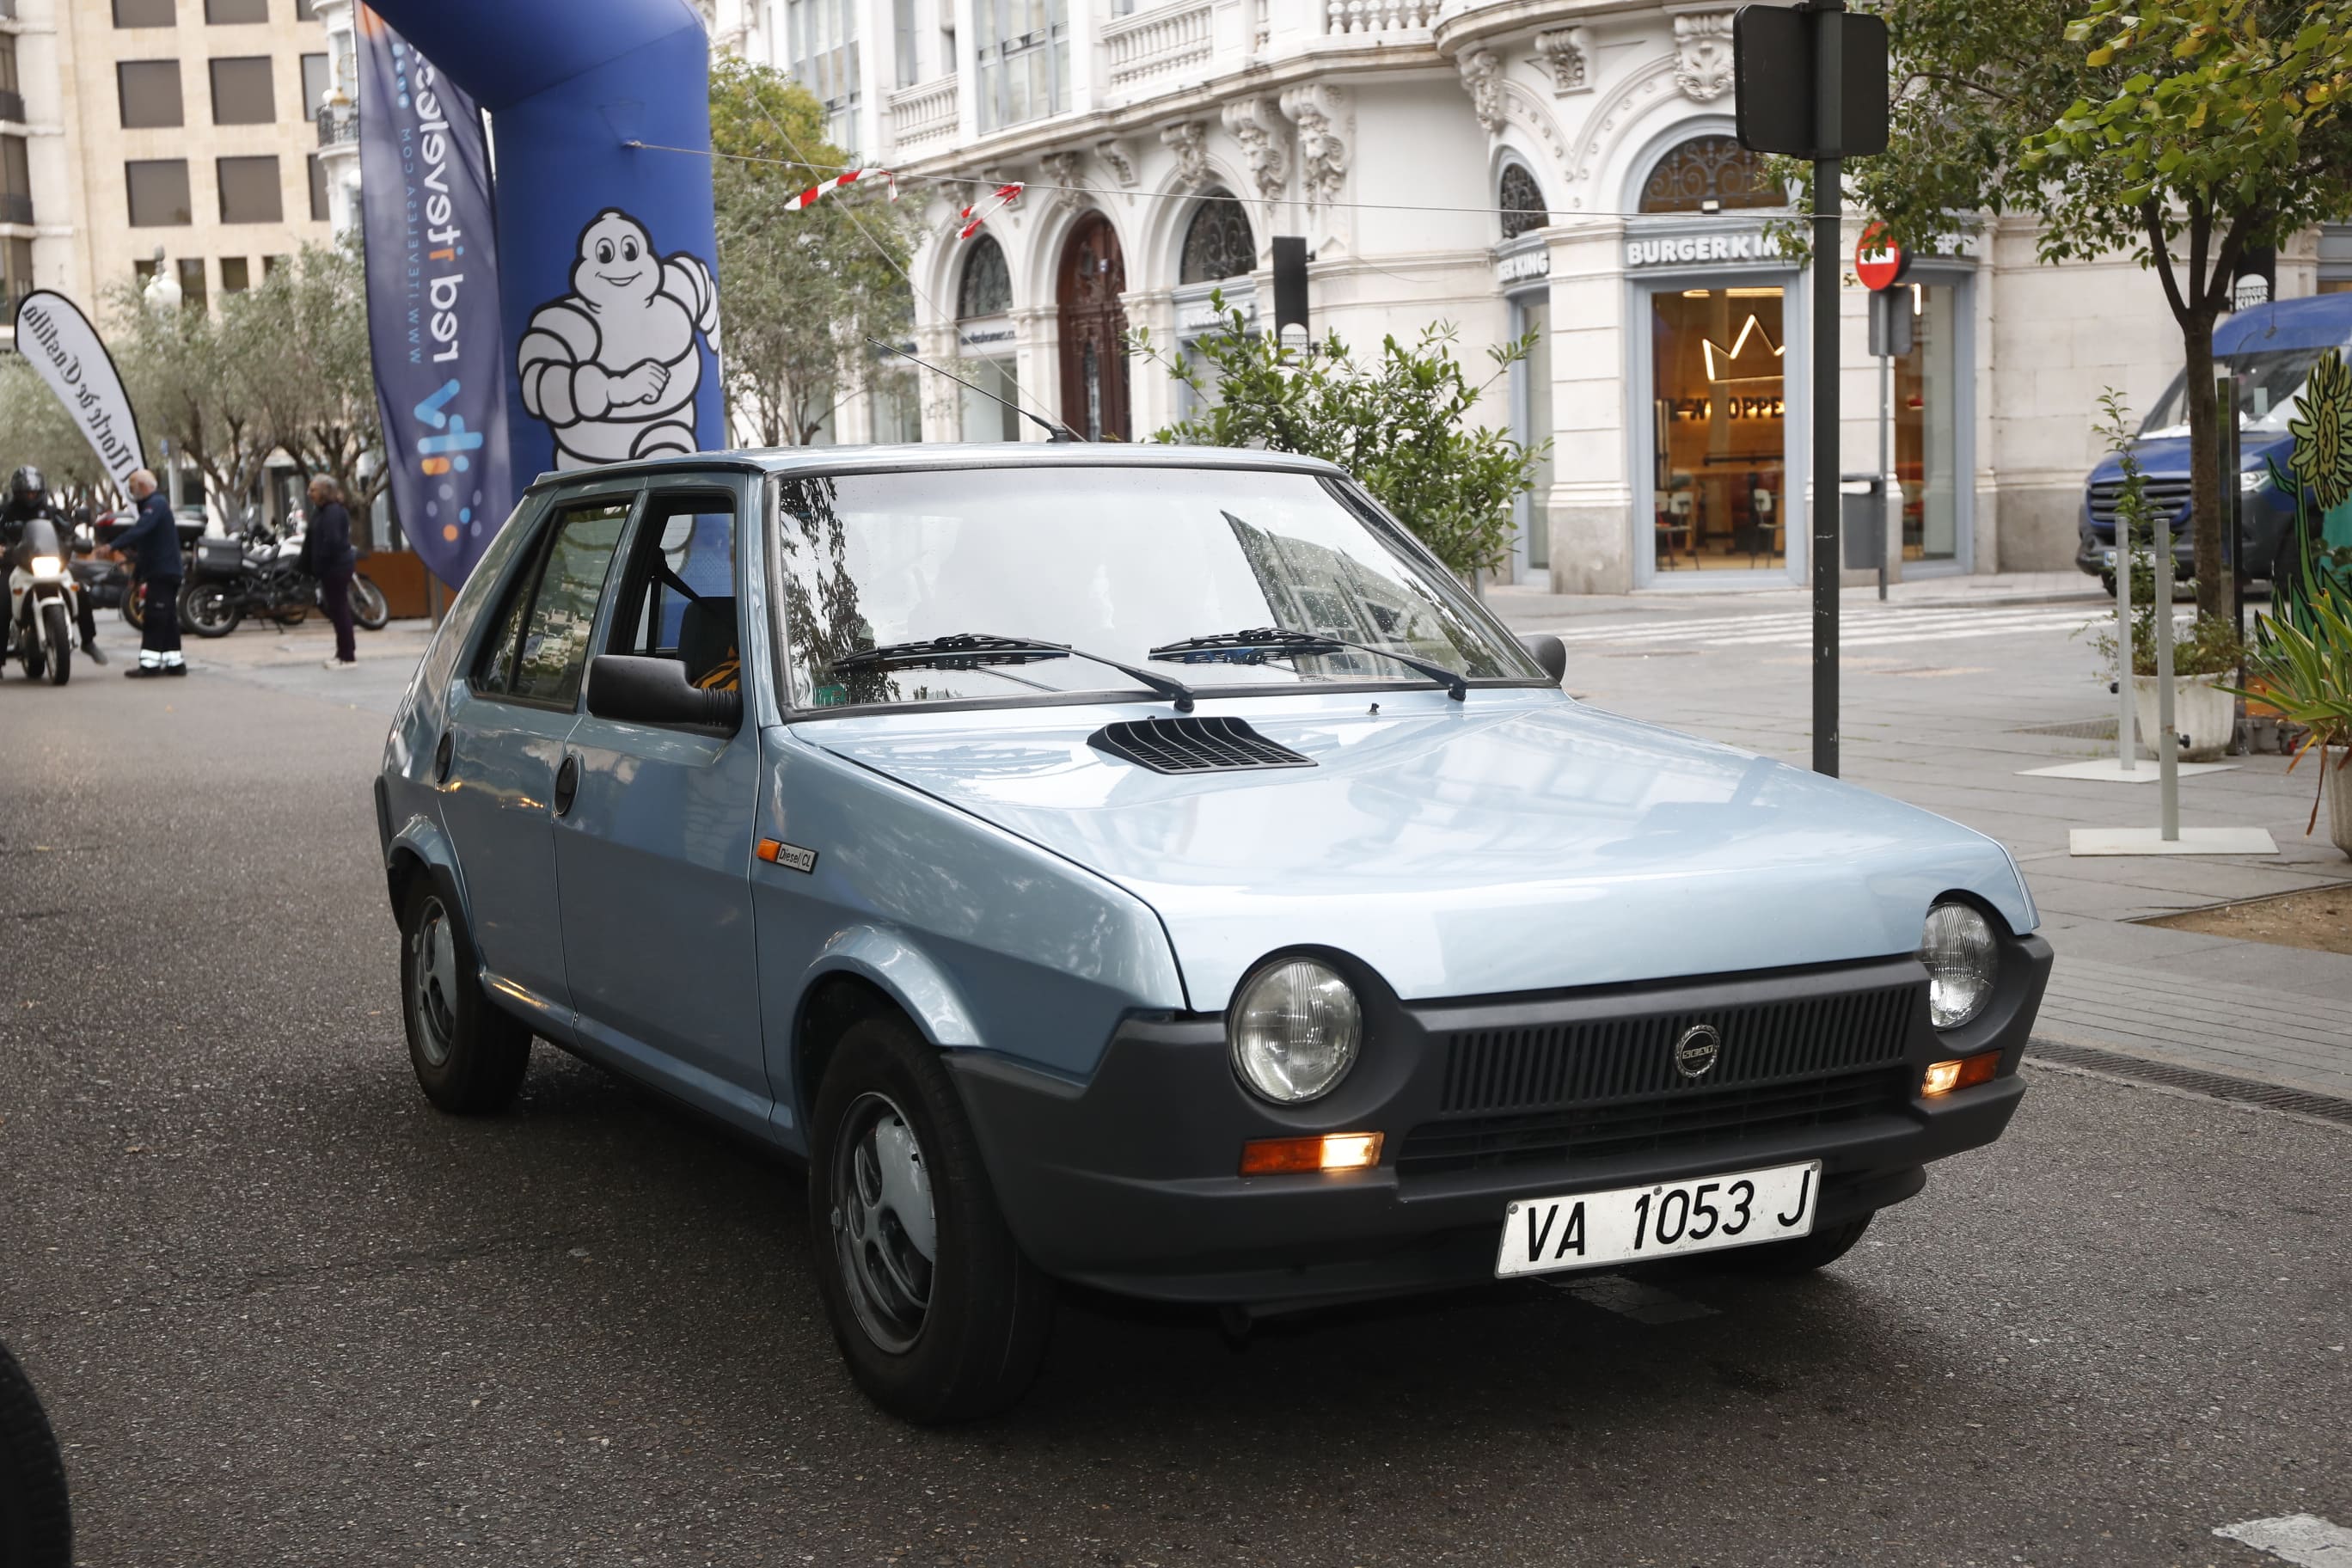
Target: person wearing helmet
x=29 y=498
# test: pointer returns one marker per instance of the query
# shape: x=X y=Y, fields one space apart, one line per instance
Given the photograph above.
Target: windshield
x=1113 y=561
x=2270 y=381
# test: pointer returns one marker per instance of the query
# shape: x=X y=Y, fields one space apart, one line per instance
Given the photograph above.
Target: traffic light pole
x=1828 y=201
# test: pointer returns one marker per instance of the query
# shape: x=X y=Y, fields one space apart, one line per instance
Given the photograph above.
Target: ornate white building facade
x=1564 y=167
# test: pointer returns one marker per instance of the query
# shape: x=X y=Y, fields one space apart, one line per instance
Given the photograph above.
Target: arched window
x=1521 y=201
x=1710 y=170
x=987 y=288
x=1218 y=244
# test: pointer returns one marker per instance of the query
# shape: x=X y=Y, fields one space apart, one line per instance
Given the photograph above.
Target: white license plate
x=1584 y=1230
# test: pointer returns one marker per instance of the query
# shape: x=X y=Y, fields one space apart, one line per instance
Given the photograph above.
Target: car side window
x=679 y=595
x=542 y=645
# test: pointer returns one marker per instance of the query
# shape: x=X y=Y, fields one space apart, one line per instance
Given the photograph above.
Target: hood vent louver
x=1193 y=746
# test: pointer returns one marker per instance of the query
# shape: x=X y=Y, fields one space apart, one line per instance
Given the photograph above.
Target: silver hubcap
x=884 y=1227
x=433 y=988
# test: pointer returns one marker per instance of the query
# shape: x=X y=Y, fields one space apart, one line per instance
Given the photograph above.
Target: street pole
x=1829 y=131
x=2127 y=714
x=2167 y=737
x=2233 y=542
x=1888 y=492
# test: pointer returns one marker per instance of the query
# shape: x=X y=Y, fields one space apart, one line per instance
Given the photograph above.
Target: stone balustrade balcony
x=923 y=117
x=1159 y=42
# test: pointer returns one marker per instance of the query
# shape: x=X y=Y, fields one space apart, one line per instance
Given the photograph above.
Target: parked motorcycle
x=43 y=604
x=260 y=574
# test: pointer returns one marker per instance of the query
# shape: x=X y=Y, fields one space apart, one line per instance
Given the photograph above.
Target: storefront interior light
x=1753 y=293
x=1696 y=294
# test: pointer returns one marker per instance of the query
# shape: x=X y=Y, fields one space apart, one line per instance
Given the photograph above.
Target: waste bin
x=1862 y=518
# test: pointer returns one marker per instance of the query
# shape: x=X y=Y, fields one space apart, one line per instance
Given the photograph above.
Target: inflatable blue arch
x=607 y=254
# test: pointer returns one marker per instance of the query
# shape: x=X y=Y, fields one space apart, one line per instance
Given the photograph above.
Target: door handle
x=567 y=784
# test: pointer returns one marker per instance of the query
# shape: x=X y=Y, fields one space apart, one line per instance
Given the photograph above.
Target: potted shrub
x=2203 y=710
x=2304 y=663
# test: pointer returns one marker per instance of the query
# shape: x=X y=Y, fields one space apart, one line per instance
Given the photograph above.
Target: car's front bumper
x=1128 y=1181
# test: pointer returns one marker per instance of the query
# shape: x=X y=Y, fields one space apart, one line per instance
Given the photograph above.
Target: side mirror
x=635 y=690
x=1549 y=652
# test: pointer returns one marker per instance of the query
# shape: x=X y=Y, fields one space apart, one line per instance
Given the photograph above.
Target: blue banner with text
x=433 y=302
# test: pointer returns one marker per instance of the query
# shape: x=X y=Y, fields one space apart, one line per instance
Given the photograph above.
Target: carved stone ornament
x=1565 y=55
x=1064 y=171
x=1187 y=141
x=1482 y=79
x=1115 y=158
x=1320 y=115
x=1256 y=124
x=1703 y=54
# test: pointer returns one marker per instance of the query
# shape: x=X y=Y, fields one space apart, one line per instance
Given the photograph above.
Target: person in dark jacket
x=153 y=545
x=29 y=498
x=327 y=547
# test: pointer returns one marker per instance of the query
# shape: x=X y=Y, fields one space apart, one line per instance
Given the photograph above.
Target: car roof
x=952 y=454
x=2311 y=321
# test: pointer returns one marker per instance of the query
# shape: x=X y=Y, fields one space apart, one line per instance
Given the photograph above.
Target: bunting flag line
x=809 y=198
x=1004 y=197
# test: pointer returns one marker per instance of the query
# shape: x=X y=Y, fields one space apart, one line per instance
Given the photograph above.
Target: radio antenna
x=1054 y=430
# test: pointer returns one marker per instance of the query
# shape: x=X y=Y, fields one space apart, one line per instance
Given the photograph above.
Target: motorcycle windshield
x=39 y=538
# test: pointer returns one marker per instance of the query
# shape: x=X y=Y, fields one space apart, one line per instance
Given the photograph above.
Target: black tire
x=974 y=1343
x=369 y=606
x=469 y=1055
x=36 y=1516
x=2286 y=568
x=209 y=609
x=2107 y=582
x=60 y=636
x=29 y=657
x=134 y=603
x=1802 y=1255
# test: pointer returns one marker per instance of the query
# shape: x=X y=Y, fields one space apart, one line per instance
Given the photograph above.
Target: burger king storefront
x=1716 y=367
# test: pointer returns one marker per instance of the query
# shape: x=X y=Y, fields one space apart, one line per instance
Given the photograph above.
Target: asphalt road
x=284 y=1312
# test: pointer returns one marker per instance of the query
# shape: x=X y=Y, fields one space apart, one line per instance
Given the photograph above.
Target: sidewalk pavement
x=1945 y=707
x=1532 y=606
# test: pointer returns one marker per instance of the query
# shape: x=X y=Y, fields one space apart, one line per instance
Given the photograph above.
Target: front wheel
x=1802 y=1255
x=134 y=603
x=210 y=610
x=59 y=632
x=469 y=1057
x=370 y=608
x=30 y=657
x=939 y=1315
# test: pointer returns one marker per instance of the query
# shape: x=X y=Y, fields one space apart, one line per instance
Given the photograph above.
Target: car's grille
x=1606 y=1082
x=1195 y=745
x=1698 y=1119
x=2163 y=496
x=1601 y=1058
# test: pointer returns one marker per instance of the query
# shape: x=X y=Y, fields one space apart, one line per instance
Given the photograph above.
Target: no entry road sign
x=1877 y=263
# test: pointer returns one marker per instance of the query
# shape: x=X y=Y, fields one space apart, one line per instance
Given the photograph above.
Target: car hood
x=2167 y=457
x=1520 y=841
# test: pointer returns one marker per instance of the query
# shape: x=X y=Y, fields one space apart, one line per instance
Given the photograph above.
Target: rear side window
x=679 y=598
x=542 y=644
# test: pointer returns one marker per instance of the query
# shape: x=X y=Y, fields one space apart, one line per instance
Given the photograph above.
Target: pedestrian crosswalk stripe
x=1855 y=630
x=2304 y=1539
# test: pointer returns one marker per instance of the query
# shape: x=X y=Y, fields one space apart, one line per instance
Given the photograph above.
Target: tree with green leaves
x=197 y=384
x=2185 y=132
x=801 y=289
x=41 y=433
x=1401 y=425
x=314 y=383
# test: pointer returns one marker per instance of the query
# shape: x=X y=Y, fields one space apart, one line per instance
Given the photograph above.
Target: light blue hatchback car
x=1147 y=867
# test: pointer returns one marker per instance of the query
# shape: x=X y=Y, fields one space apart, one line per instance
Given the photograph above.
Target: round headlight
x=1295 y=1026
x=1962 y=960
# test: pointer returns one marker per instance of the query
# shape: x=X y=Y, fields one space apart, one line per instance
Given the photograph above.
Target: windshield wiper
x=1256 y=645
x=977 y=650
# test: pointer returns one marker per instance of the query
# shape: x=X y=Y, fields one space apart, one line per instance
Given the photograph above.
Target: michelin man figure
x=612 y=367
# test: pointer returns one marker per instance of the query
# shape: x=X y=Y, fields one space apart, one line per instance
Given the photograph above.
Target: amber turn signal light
x=1964 y=1073
x=1324 y=1151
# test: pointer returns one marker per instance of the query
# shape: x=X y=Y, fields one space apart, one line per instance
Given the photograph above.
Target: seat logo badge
x=1696 y=1052
x=791 y=857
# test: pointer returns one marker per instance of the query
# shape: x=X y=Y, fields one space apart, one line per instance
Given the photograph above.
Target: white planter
x=2338 y=790
x=2206 y=715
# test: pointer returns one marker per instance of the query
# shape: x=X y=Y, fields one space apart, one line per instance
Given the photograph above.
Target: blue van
x=2270 y=348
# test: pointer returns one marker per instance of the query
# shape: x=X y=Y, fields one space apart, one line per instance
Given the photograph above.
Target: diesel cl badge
x=1696 y=1052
